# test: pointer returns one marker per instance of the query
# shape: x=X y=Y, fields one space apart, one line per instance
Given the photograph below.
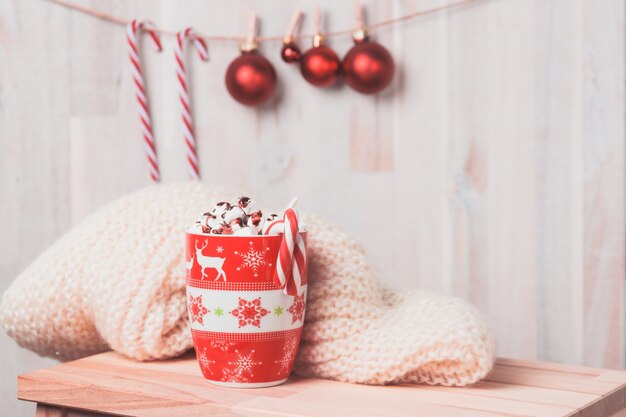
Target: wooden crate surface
x=111 y=383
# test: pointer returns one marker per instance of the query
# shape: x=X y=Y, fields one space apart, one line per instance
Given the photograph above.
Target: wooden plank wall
x=493 y=169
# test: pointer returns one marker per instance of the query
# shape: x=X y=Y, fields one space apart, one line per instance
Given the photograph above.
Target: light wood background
x=493 y=169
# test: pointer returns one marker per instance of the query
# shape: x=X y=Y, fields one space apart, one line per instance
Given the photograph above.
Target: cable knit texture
x=117 y=281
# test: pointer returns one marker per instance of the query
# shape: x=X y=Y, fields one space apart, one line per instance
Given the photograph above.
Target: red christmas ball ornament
x=320 y=65
x=368 y=66
x=251 y=78
x=290 y=52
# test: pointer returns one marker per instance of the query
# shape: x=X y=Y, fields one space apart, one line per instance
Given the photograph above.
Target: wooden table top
x=110 y=383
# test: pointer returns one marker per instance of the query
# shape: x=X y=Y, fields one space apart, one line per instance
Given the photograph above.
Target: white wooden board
x=492 y=169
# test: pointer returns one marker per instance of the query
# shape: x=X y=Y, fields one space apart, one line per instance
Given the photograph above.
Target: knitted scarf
x=117 y=281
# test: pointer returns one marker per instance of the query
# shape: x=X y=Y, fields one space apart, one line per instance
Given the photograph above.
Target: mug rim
x=189 y=232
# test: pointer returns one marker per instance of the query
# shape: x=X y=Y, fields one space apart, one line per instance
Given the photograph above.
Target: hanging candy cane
x=183 y=94
x=140 y=90
x=292 y=250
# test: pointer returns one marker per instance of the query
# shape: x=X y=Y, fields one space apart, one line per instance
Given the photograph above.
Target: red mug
x=245 y=329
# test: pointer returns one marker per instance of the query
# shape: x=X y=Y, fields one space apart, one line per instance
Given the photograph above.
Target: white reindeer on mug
x=189 y=265
x=209 y=262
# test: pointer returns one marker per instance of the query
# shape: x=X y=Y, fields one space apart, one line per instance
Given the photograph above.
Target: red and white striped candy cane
x=299 y=254
x=291 y=262
x=183 y=94
x=140 y=90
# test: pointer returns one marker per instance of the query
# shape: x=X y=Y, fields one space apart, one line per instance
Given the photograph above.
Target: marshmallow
x=268 y=222
x=235 y=224
x=196 y=228
x=222 y=229
x=245 y=231
x=233 y=213
x=245 y=203
x=203 y=220
x=215 y=222
x=256 y=218
x=242 y=219
x=255 y=221
x=220 y=208
x=274 y=227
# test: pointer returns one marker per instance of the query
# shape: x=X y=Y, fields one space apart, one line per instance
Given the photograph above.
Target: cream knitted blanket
x=117 y=281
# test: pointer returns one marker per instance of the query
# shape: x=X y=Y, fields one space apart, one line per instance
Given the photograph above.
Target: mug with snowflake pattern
x=245 y=329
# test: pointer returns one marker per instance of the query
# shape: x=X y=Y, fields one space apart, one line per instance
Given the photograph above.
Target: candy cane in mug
x=183 y=94
x=288 y=275
x=140 y=90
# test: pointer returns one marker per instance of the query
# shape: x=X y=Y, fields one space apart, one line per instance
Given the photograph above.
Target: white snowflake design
x=219 y=249
x=289 y=354
x=222 y=345
x=252 y=259
x=205 y=362
x=242 y=368
x=231 y=375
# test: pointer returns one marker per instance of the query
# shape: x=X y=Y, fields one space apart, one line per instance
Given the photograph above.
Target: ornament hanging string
x=135 y=27
x=388 y=22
